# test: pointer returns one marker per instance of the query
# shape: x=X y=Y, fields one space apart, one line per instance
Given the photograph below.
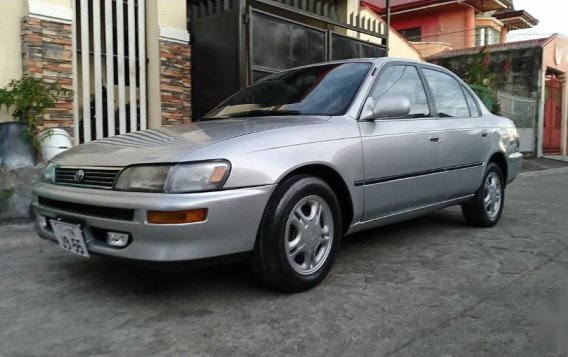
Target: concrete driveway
x=428 y=287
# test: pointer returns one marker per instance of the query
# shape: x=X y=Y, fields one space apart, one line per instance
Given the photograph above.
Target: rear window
x=448 y=94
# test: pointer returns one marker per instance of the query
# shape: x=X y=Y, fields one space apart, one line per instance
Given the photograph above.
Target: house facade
x=135 y=64
x=434 y=26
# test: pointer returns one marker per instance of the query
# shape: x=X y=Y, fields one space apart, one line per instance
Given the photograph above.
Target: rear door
x=466 y=136
x=403 y=157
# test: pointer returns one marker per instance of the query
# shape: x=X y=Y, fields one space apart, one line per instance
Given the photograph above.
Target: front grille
x=88 y=177
x=88 y=210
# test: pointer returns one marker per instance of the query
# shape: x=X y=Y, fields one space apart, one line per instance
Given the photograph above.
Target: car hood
x=172 y=143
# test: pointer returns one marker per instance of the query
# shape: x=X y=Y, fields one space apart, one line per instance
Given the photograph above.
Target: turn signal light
x=177 y=217
x=218 y=174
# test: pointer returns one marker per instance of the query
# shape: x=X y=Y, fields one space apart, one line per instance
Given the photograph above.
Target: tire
x=486 y=207
x=295 y=251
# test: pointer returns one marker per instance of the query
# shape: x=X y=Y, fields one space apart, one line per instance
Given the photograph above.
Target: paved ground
x=428 y=287
x=532 y=164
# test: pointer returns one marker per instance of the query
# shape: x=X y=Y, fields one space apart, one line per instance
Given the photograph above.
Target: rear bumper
x=231 y=226
x=514 y=164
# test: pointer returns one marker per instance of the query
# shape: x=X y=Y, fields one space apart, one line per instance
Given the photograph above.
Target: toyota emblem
x=79 y=175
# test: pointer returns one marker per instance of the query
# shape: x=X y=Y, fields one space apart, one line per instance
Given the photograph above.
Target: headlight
x=48 y=173
x=180 y=178
x=143 y=178
x=197 y=177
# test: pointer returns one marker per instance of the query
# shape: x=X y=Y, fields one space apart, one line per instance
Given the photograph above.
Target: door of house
x=552 y=117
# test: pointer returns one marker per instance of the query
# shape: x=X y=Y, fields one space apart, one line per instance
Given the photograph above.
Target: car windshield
x=325 y=89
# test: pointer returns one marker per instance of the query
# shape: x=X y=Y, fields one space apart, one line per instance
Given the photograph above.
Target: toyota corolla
x=285 y=168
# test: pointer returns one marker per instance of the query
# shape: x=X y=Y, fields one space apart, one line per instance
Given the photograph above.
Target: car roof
x=376 y=61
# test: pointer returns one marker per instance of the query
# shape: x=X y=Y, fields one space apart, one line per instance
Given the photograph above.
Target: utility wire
x=474 y=35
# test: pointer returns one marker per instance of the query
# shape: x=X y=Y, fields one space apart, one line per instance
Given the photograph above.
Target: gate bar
x=121 y=69
x=85 y=78
x=142 y=61
x=75 y=75
x=132 y=65
x=98 y=75
x=109 y=66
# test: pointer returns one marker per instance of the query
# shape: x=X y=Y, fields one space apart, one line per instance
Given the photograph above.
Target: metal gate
x=551 y=143
x=109 y=65
x=276 y=44
x=237 y=42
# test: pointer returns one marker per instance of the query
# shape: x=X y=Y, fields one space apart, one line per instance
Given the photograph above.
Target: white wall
x=172 y=13
x=526 y=139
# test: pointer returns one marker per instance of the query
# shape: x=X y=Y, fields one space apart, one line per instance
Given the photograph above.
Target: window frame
x=431 y=107
x=434 y=103
x=484 y=35
x=468 y=91
x=418 y=29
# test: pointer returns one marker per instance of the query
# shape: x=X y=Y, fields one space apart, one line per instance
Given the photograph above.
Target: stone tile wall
x=47 y=54
x=175 y=82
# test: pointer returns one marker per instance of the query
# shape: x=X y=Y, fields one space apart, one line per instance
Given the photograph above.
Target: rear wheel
x=299 y=235
x=486 y=207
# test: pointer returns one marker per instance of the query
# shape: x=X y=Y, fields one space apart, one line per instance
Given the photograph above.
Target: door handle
x=484 y=133
x=435 y=138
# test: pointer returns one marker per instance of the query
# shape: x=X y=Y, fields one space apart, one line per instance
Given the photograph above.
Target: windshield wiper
x=264 y=112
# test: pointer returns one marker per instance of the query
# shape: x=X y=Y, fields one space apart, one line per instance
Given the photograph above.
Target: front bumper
x=231 y=226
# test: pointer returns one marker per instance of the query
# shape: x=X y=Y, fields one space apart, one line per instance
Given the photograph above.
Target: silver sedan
x=285 y=168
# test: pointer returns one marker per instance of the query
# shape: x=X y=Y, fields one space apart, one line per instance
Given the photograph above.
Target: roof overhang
x=406 y=6
x=516 y=19
x=508 y=46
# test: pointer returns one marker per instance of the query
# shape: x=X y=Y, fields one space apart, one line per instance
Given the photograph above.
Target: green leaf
x=28 y=98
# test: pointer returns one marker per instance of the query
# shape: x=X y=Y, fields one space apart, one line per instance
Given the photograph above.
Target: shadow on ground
x=116 y=277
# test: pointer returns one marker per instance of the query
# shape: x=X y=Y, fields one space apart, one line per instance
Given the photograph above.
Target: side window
x=448 y=94
x=403 y=80
x=472 y=103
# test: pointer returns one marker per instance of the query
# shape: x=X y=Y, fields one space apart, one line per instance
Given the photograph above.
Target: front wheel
x=486 y=207
x=299 y=235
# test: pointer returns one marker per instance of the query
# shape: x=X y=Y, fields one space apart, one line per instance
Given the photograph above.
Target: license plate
x=70 y=237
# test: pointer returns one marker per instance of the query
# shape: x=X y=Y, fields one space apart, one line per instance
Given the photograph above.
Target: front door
x=551 y=143
x=403 y=157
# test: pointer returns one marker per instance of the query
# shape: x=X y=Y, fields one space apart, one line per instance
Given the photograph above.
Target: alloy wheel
x=493 y=195
x=309 y=235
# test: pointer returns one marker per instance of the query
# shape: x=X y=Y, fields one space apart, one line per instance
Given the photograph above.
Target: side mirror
x=392 y=106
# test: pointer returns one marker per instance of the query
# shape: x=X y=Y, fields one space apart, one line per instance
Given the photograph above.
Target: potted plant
x=26 y=99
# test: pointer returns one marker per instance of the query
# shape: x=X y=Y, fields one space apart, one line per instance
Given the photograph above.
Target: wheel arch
x=337 y=184
x=499 y=159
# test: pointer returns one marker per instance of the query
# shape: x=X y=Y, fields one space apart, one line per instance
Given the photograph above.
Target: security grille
x=109 y=63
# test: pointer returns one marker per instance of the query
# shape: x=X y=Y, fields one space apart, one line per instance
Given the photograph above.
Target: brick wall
x=175 y=82
x=47 y=54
